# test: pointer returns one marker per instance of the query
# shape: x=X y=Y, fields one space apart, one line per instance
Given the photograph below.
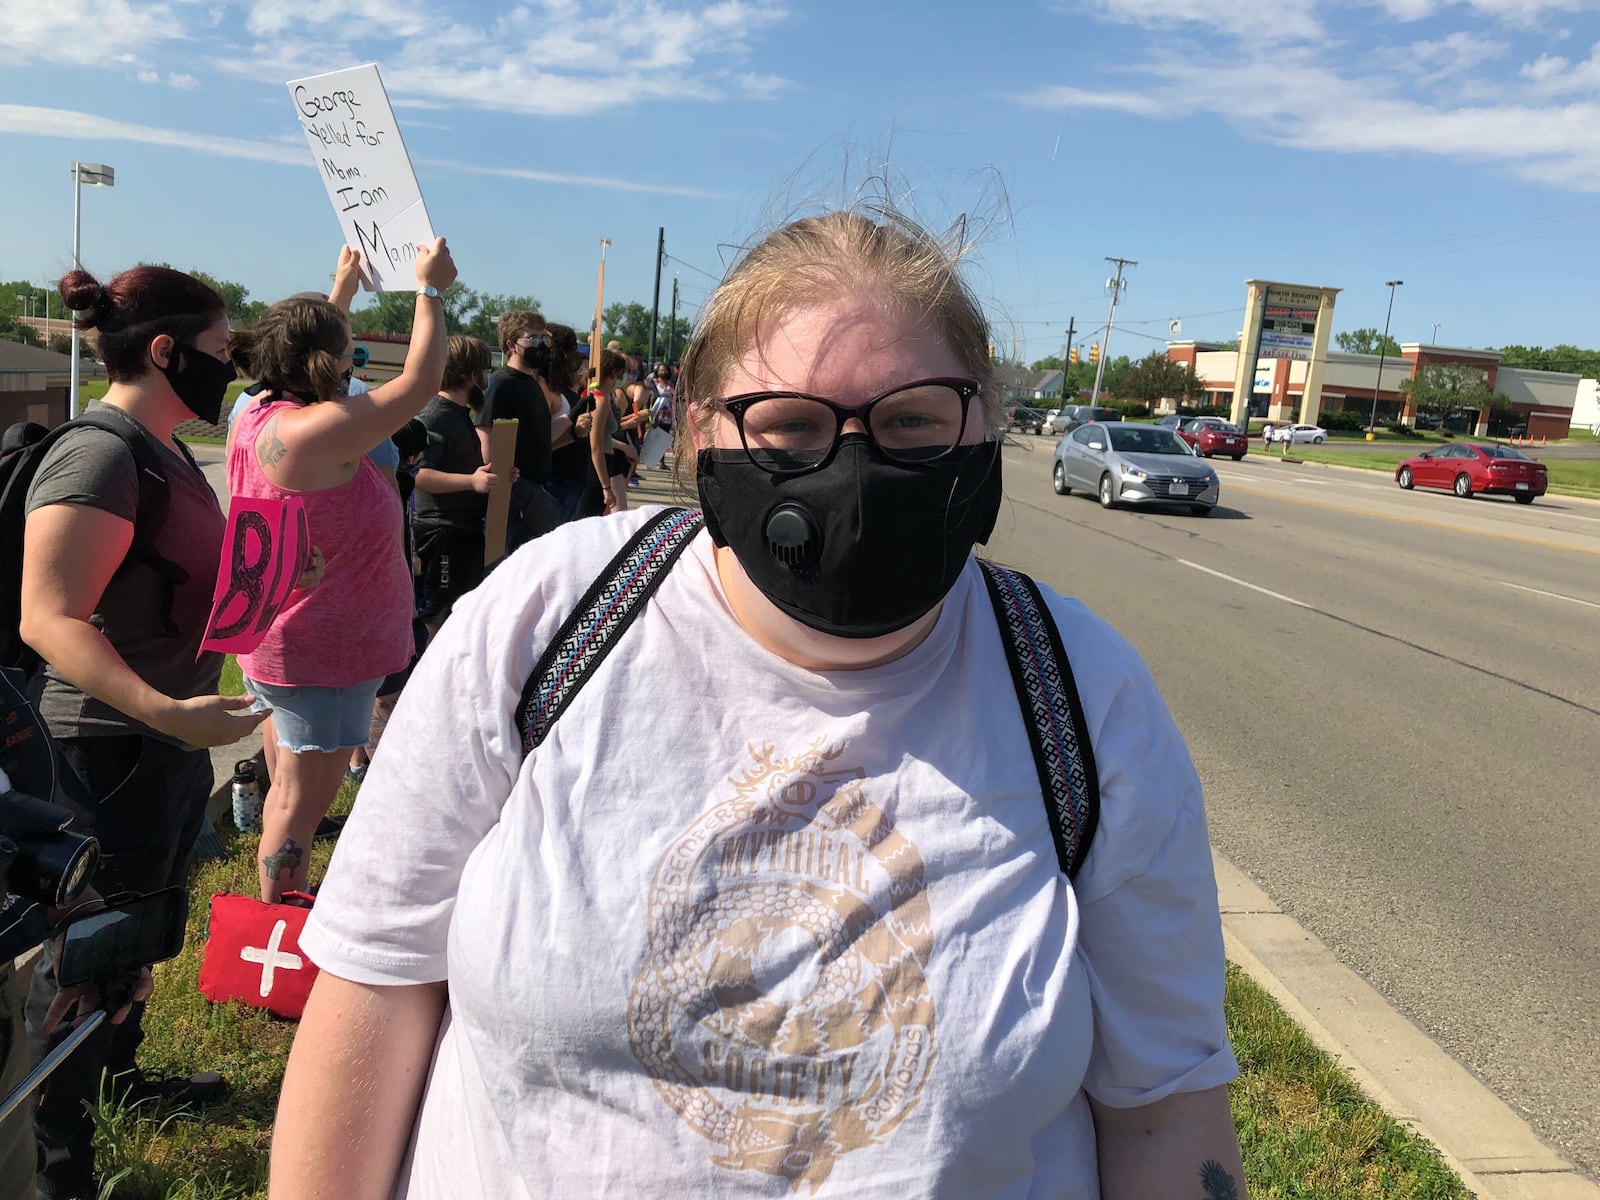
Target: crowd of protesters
x=116 y=591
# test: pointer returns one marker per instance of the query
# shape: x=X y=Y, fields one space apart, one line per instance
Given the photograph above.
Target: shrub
x=1343 y=421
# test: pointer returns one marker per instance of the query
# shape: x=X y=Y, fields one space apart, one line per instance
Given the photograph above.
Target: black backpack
x=26 y=446
x=1051 y=710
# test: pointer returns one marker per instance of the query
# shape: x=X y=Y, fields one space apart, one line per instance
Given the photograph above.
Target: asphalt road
x=1394 y=704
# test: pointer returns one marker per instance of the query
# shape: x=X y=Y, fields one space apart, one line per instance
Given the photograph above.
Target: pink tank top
x=356 y=624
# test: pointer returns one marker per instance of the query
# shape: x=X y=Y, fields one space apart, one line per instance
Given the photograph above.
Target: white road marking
x=1252 y=586
x=1552 y=595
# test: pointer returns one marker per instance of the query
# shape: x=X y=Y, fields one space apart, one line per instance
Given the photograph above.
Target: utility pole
x=1117 y=286
x=655 y=304
x=672 y=326
x=1383 y=351
x=1066 y=357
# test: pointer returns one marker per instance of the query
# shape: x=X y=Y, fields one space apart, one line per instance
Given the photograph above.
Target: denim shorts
x=317 y=718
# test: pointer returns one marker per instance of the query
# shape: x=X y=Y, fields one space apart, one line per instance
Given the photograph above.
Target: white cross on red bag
x=252 y=953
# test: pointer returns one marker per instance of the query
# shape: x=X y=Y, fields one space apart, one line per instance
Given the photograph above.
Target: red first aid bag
x=252 y=953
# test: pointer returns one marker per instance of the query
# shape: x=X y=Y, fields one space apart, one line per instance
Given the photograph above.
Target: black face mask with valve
x=862 y=547
x=200 y=380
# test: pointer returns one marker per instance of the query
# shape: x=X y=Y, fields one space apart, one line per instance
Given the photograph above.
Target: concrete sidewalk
x=1493 y=1150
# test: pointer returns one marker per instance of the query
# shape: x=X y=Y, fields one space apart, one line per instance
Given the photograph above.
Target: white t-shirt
x=741 y=929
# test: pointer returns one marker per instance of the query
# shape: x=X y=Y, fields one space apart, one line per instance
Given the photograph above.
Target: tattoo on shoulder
x=269 y=446
x=287 y=858
x=1217 y=1181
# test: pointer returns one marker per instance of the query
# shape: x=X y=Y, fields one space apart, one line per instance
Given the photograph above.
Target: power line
x=692 y=267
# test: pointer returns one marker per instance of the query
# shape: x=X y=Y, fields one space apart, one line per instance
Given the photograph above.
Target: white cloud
x=83 y=32
x=599 y=181
x=65 y=123
x=1552 y=75
x=565 y=58
x=181 y=81
x=1455 y=53
x=1062 y=96
x=1262 y=20
x=149 y=77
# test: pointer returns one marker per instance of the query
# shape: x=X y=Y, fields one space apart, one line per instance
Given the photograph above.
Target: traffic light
x=991 y=351
x=1073 y=356
x=1094 y=352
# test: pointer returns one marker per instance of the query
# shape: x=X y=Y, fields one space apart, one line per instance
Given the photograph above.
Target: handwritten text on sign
x=267 y=548
x=356 y=145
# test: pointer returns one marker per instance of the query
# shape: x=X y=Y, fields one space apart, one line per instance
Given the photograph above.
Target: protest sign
x=502 y=453
x=265 y=550
x=656 y=444
x=356 y=145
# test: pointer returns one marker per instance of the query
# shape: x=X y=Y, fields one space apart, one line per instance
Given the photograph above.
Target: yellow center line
x=1419 y=521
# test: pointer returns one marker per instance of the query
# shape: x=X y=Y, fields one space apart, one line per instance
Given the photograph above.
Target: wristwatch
x=431 y=292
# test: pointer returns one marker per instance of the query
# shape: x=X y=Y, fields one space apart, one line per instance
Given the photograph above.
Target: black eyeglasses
x=791 y=433
x=357 y=357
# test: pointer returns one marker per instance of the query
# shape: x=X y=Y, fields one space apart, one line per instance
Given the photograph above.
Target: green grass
x=1306 y=1131
x=95 y=389
x=1568 y=477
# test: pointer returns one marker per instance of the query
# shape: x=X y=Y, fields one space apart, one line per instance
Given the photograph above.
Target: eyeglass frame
x=539 y=338
x=359 y=357
x=964 y=387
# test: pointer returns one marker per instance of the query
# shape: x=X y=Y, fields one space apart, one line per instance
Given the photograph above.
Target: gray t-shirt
x=94 y=468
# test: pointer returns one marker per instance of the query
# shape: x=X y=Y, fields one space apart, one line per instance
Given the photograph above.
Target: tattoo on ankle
x=1216 y=1180
x=287 y=858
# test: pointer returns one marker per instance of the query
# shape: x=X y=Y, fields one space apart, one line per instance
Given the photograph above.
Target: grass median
x=1305 y=1129
x=1568 y=477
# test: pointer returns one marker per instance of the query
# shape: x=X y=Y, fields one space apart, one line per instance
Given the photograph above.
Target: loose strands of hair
x=294 y=348
x=818 y=258
x=137 y=306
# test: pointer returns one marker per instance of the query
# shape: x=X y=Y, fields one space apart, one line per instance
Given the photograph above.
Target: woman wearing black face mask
x=120 y=559
x=829 y=934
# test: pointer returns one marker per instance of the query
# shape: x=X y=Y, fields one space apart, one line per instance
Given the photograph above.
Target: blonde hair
x=815 y=259
x=295 y=347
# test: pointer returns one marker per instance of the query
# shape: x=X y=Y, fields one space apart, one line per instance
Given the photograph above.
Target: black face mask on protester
x=862 y=547
x=200 y=381
x=537 y=356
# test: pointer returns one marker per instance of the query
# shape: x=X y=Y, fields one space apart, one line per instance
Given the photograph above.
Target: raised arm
x=324 y=434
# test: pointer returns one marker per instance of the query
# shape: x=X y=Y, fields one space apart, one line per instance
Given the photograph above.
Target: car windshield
x=1222 y=426
x=1504 y=452
x=1145 y=439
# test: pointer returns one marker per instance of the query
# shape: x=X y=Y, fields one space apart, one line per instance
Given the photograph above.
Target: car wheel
x=1524 y=497
x=1464 y=486
x=1108 y=498
x=1060 y=479
x=1317 y=441
x=1237 y=457
x=1200 y=510
x=1404 y=478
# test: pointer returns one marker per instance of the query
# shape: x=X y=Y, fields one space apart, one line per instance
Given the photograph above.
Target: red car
x=1213 y=435
x=1467 y=469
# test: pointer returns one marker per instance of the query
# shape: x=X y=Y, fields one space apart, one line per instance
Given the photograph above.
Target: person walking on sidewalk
x=821 y=941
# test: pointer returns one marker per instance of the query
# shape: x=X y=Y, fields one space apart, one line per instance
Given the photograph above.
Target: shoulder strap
x=1051 y=710
x=601 y=617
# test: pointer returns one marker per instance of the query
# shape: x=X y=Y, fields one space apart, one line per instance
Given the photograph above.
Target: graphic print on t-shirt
x=782 y=1008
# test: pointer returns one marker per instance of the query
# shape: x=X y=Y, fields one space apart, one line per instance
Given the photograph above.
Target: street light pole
x=1117 y=287
x=95 y=175
x=1383 y=350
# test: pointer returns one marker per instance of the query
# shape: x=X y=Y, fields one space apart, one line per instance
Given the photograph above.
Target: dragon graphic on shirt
x=782 y=1009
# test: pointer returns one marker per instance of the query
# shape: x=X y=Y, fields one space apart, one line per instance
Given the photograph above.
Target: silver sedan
x=1134 y=464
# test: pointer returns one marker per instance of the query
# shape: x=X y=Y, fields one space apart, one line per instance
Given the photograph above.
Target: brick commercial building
x=1542 y=401
x=34 y=384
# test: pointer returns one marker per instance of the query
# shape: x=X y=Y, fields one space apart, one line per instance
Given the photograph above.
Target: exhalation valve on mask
x=794 y=536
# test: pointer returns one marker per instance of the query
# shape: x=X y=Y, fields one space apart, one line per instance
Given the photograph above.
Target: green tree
x=1157 y=377
x=1564 y=357
x=1050 y=362
x=15 y=330
x=1444 y=389
x=629 y=324
x=485 y=315
x=61 y=343
x=1367 y=340
x=671 y=339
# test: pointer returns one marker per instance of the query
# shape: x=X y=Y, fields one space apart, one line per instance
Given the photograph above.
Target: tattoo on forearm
x=1216 y=1180
x=287 y=858
x=269 y=447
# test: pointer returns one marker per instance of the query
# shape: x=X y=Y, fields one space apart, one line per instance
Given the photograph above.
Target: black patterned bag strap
x=1051 y=710
x=601 y=617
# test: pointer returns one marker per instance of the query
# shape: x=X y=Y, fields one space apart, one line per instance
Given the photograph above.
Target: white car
x=1315 y=434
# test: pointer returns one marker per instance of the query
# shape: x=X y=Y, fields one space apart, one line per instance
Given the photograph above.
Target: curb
x=1493 y=1150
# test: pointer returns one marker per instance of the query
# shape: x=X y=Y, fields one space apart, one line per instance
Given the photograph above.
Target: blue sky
x=1455 y=145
